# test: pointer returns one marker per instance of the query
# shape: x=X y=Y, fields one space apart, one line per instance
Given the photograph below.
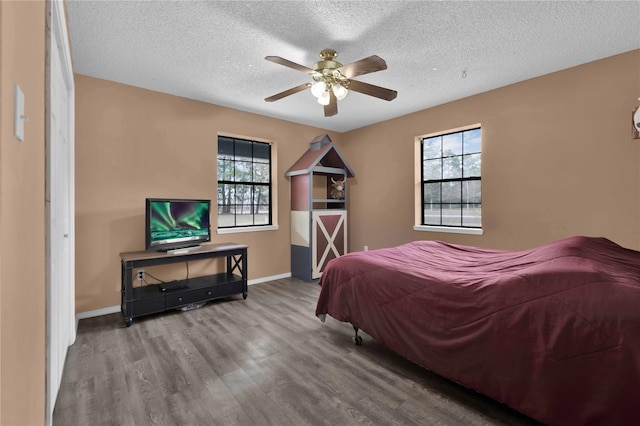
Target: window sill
x=449 y=229
x=247 y=229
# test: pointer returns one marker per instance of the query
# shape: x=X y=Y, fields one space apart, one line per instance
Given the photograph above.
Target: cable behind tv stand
x=154 y=298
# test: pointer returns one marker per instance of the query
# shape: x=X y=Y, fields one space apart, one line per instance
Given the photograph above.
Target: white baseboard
x=271 y=278
x=115 y=309
x=96 y=313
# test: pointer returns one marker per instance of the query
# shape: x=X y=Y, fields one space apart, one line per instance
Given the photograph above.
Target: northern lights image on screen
x=177 y=223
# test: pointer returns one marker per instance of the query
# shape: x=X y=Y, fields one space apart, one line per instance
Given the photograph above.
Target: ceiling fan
x=332 y=80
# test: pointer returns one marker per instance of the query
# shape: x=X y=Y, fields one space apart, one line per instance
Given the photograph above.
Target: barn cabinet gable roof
x=322 y=152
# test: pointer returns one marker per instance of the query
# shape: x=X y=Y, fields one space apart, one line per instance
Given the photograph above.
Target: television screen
x=176 y=223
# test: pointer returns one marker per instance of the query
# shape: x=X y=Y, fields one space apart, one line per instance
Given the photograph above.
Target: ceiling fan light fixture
x=324 y=98
x=340 y=91
x=331 y=81
x=318 y=88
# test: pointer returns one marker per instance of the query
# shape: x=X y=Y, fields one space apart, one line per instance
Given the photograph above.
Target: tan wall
x=557 y=160
x=22 y=218
x=132 y=144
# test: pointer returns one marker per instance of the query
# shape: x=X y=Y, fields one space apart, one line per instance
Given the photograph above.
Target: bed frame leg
x=357 y=339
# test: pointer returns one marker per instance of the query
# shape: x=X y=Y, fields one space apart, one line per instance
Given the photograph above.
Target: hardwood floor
x=266 y=360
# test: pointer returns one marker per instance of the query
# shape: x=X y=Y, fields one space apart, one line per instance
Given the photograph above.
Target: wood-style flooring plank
x=266 y=360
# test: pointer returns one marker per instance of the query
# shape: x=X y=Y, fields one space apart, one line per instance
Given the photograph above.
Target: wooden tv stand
x=151 y=299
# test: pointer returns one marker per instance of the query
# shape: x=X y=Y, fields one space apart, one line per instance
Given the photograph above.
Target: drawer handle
x=208 y=293
x=179 y=299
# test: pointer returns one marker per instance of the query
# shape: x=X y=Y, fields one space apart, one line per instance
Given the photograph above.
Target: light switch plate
x=18 y=113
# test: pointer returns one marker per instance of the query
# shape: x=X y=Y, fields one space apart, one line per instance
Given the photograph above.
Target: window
x=451 y=179
x=244 y=183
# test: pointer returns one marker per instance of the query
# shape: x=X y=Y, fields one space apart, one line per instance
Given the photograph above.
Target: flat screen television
x=172 y=223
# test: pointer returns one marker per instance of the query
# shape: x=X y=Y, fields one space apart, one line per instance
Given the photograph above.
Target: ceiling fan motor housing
x=327 y=62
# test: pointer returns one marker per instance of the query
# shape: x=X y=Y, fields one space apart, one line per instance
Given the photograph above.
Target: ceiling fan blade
x=288 y=63
x=371 y=90
x=331 y=109
x=287 y=92
x=363 y=66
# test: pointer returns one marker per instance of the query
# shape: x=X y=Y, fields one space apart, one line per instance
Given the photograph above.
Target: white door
x=59 y=202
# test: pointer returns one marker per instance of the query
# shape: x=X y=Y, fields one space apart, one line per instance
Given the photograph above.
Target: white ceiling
x=213 y=51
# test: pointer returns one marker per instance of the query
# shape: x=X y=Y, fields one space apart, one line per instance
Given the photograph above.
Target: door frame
x=60 y=296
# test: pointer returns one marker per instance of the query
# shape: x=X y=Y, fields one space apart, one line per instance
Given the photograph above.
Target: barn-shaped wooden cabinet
x=318 y=208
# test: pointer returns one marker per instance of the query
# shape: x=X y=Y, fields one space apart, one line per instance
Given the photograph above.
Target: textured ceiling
x=213 y=51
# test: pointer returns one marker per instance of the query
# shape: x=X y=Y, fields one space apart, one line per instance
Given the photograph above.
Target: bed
x=553 y=331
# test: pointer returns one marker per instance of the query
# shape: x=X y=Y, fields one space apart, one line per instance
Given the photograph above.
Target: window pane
x=261 y=172
x=451 y=215
x=244 y=171
x=432 y=169
x=471 y=165
x=431 y=214
x=472 y=215
x=471 y=192
x=244 y=219
x=452 y=144
x=261 y=195
x=226 y=220
x=242 y=195
x=261 y=151
x=432 y=148
x=225 y=169
x=431 y=193
x=471 y=141
x=261 y=219
x=226 y=205
x=225 y=197
x=225 y=147
x=451 y=192
x=452 y=167
x=243 y=149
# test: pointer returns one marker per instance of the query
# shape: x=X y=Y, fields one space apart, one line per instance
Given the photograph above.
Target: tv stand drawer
x=179 y=298
x=183 y=297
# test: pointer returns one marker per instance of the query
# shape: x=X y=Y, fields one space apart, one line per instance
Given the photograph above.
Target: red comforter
x=553 y=332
